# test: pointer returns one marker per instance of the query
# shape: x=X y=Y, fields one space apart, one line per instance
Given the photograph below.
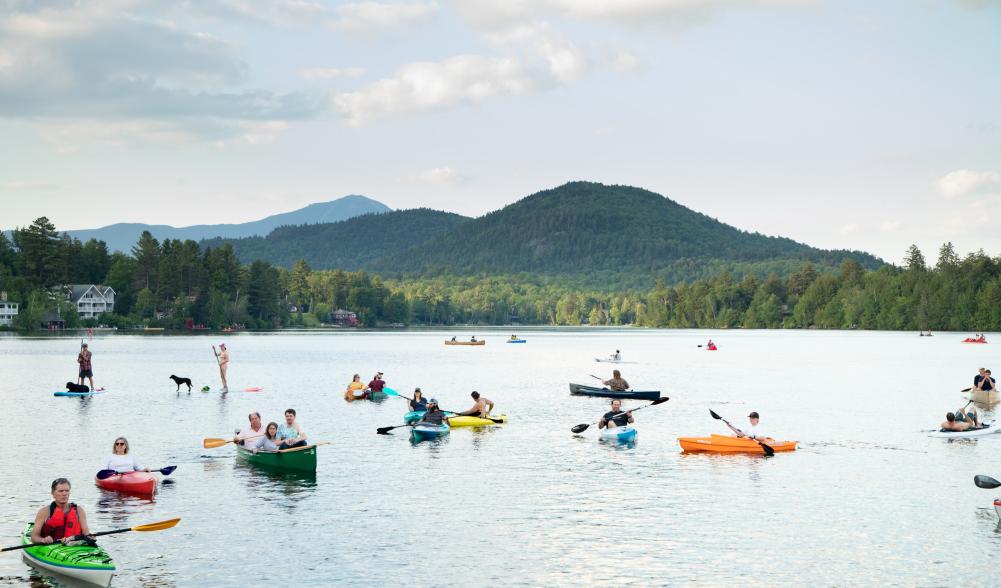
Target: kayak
x=984 y=396
x=607 y=360
x=475 y=421
x=480 y=342
x=425 y=432
x=416 y=415
x=987 y=429
x=81 y=562
x=92 y=393
x=618 y=434
x=711 y=348
x=726 y=444
x=143 y=483
x=582 y=390
x=517 y=341
x=972 y=340
x=300 y=459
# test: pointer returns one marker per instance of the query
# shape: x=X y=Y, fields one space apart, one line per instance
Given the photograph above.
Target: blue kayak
x=517 y=341
x=618 y=434
x=426 y=432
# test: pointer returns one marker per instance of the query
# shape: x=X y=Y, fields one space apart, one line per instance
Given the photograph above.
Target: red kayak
x=132 y=482
x=971 y=340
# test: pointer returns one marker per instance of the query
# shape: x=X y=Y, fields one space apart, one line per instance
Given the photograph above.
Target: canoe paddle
x=583 y=427
x=105 y=474
x=985 y=482
x=768 y=450
x=213 y=442
x=150 y=527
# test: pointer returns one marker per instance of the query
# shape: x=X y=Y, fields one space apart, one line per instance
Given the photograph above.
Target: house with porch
x=91 y=300
x=8 y=310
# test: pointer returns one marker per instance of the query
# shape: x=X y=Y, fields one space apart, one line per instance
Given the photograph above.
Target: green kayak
x=300 y=459
x=82 y=562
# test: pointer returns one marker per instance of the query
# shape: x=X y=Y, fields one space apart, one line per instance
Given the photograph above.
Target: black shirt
x=621 y=418
x=433 y=418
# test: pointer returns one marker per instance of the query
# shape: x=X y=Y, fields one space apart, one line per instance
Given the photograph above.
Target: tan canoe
x=480 y=342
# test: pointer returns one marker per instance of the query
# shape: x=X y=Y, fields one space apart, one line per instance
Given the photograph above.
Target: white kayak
x=989 y=428
x=618 y=434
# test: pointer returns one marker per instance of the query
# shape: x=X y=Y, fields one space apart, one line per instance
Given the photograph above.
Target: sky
x=838 y=123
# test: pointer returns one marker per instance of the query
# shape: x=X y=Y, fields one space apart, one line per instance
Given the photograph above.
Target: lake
x=868 y=499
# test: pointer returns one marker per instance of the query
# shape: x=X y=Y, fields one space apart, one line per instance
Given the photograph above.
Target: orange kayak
x=725 y=444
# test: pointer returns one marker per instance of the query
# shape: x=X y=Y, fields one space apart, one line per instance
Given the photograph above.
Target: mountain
x=122 y=236
x=595 y=233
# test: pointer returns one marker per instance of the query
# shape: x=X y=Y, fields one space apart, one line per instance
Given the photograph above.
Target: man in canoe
x=86 y=368
x=616 y=383
x=290 y=433
x=983 y=380
x=61 y=520
x=615 y=417
x=473 y=339
x=254 y=431
x=434 y=415
x=481 y=406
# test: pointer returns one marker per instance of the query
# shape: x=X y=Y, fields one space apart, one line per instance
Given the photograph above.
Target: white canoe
x=982 y=397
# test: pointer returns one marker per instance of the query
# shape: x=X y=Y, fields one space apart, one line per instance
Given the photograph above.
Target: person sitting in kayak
x=270 y=440
x=376 y=385
x=355 y=389
x=417 y=403
x=752 y=431
x=616 y=383
x=616 y=356
x=61 y=520
x=290 y=433
x=248 y=436
x=434 y=415
x=473 y=339
x=615 y=417
x=514 y=337
x=120 y=460
x=481 y=407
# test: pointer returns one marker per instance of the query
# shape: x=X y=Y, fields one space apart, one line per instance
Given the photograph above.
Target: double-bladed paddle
x=105 y=474
x=584 y=426
x=768 y=450
x=150 y=527
x=391 y=392
x=985 y=482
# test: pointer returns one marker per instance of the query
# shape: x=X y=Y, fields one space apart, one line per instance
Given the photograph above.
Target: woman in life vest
x=61 y=520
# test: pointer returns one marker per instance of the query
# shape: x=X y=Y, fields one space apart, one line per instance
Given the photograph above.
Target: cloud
x=624 y=61
x=362 y=17
x=326 y=73
x=964 y=182
x=889 y=226
x=442 y=176
x=849 y=229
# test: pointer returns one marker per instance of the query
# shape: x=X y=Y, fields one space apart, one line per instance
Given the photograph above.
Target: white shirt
x=122 y=463
x=250 y=432
x=753 y=431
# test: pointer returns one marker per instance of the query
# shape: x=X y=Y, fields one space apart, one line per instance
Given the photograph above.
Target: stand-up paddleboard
x=91 y=393
x=254 y=389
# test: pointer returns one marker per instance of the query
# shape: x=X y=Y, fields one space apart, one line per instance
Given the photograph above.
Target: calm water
x=867 y=500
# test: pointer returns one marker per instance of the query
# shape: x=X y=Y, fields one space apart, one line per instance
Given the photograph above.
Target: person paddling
x=434 y=415
x=61 y=520
x=418 y=403
x=248 y=436
x=86 y=367
x=120 y=460
x=223 y=358
x=951 y=424
x=615 y=417
x=616 y=383
x=481 y=407
x=753 y=431
x=616 y=356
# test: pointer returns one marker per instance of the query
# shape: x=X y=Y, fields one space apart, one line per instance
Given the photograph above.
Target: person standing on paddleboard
x=61 y=520
x=223 y=358
x=86 y=368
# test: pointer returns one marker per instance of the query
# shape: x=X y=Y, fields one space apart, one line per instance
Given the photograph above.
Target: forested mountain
x=589 y=233
x=350 y=245
x=122 y=236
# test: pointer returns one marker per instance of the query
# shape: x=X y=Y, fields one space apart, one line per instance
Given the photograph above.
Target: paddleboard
x=92 y=393
x=255 y=389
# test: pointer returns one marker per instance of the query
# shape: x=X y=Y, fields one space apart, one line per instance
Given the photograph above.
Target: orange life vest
x=60 y=523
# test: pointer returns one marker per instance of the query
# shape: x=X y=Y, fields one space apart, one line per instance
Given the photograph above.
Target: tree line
x=173 y=283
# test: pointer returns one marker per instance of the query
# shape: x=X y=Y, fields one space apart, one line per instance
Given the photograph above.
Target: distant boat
x=480 y=342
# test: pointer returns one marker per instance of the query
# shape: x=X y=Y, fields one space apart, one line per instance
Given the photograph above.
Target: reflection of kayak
x=425 y=432
x=972 y=340
x=301 y=459
x=987 y=429
x=582 y=390
x=618 y=434
x=480 y=342
x=132 y=482
x=984 y=397
x=726 y=444
x=82 y=562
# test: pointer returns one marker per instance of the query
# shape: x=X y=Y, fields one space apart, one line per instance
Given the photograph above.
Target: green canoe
x=82 y=562
x=300 y=459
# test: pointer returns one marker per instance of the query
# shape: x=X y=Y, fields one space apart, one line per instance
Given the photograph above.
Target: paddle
x=985 y=482
x=583 y=427
x=768 y=450
x=966 y=389
x=213 y=442
x=105 y=474
x=150 y=527
x=392 y=392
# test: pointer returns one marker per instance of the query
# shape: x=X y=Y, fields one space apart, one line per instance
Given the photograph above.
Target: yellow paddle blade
x=157 y=526
x=211 y=442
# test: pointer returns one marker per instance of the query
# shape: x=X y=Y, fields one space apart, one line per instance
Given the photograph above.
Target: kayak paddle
x=213 y=442
x=966 y=389
x=583 y=427
x=768 y=450
x=386 y=430
x=105 y=474
x=150 y=527
x=985 y=482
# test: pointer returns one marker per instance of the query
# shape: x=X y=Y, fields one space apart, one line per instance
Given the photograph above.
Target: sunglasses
x=119 y=443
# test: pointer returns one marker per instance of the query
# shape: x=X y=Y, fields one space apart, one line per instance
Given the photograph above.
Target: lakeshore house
x=8 y=310
x=91 y=300
x=345 y=317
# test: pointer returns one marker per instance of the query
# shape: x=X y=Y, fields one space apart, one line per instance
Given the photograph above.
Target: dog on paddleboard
x=179 y=381
x=73 y=387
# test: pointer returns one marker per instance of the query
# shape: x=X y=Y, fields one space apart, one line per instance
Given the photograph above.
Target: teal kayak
x=427 y=432
x=81 y=562
x=416 y=415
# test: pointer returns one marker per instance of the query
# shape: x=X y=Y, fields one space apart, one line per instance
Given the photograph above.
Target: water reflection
x=267 y=483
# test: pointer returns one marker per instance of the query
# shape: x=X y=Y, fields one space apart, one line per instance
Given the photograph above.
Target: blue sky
x=849 y=124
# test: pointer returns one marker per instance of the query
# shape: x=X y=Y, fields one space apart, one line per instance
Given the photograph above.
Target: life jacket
x=61 y=524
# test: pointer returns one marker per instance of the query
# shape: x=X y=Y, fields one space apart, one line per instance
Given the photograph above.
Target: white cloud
x=889 y=226
x=442 y=176
x=849 y=229
x=326 y=73
x=963 y=182
x=624 y=61
x=361 y=17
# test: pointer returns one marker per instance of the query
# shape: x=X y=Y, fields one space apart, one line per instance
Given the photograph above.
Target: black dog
x=180 y=381
x=71 y=387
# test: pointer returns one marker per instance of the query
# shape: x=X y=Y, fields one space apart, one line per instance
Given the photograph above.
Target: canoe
x=79 y=394
x=517 y=340
x=426 y=432
x=984 y=397
x=726 y=444
x=88 y=564
x=300 y=459
x=971 y=340
x=143 y=483
x=618 y=434
x=416 y=415
x=582 y=390
x=480 y=342
x=989 y=428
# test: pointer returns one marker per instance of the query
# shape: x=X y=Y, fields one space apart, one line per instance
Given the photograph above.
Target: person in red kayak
x=61 y=520
x=120 y=460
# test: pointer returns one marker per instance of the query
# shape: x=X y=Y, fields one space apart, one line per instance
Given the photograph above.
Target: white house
x=8 y=310
x=90 y=299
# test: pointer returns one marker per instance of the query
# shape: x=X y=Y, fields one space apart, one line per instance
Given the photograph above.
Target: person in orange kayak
x=616 y=383
x=615 y=417
x=355 y=389
x=61 y=520
x=120 y=460
x=753 y=431
x=481 y=407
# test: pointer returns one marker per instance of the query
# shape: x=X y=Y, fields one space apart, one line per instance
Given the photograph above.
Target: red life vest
x=61 y=524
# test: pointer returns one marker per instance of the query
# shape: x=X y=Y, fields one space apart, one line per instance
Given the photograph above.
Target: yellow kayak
x=472 y=421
